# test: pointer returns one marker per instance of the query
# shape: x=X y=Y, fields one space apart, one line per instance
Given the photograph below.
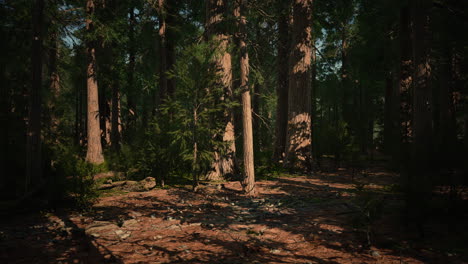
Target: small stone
x=169 y=218
x=130 y=222
x=375 y=253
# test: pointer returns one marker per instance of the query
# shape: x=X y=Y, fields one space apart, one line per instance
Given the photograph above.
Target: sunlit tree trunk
x=33 y=154
x=94 y=151
x=215 y=9
x=249 y=172
x=298 y=138
x=282 y=88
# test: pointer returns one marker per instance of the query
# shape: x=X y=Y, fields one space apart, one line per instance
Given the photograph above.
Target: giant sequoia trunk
x=282 y=88
x=249 y=172
x=33 y=154
x=298 y=139
x=94 y=151
x=215 y=9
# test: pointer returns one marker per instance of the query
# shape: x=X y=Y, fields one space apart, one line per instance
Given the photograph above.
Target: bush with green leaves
x=189 y=126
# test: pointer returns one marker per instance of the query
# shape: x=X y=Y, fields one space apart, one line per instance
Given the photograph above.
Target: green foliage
x=73 y=176
x=370 y=207
x=180 y=140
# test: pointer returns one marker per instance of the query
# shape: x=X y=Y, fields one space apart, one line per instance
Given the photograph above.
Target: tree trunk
x=94 y=151
x=283 y=79
x=422 y=101
x=33 y=154
x=115 y=117
x=215 y=9
x=420 y=182
x=131 y=93
x=298 y=143
x=162 y=51
x=388 y=117
x=446 y=119
x=405 y=83
x=248 y=182
x=54 y=84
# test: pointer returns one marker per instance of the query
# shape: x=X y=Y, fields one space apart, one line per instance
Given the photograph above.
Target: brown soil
x=316 y=219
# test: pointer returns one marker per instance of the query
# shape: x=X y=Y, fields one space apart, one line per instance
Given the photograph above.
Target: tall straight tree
x=282 y=87
x=420 y=181
x=405 y=82
x=248 y=182
x=298 y=138
x=131 y=94
x=162 y=13
x=33 y=154
x=224 y=163
x=94 y=151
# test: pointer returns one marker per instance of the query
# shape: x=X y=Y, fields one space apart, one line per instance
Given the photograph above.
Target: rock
x=169 y=218
x=130 y=222
x=375 y=253
x=122 y=234
x=149 y=183
x=134 y=214
x=275 y=251
x=98 y=227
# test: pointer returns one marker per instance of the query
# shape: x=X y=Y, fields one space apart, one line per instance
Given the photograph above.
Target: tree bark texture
x=33 y=147
x=282 y=88
x=248 y=182
x=299 y=141
x=406 y=81
x=94 y=151
x=223 y=165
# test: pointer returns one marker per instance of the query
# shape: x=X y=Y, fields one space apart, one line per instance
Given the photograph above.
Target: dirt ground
x=323 y=218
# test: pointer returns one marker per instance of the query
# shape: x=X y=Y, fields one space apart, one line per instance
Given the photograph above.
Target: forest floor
x=324 y=218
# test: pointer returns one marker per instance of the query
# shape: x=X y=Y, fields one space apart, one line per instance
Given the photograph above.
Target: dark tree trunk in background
x=446 y=125
x=54 y=82
x=162 y=14
x=388 y=114
x=248 y=182
x=283 y=82
x=94 y=150
x=33 y=148
x=131 y=92
x=223 y=165
x=298 y=138
x=420 y=178
x=313 y=103
x=115 y=117
x=405 y=84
